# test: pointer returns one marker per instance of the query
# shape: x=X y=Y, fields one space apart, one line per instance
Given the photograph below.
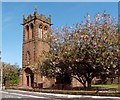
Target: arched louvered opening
x=31 y=30
x=45 y=31
x=27 y=33
x=40 y=31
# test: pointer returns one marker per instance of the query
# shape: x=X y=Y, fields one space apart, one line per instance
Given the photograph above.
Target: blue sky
x=62 y=14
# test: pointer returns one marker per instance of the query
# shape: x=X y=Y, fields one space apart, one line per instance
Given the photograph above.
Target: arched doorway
x=29 y=77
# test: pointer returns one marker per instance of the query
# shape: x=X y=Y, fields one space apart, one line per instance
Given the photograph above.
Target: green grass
x=107 y=86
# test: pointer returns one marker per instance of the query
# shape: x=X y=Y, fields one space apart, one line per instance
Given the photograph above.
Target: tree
x=10 y=74
x=84 y=50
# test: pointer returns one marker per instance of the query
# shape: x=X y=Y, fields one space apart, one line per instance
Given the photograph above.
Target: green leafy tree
x=10 y=74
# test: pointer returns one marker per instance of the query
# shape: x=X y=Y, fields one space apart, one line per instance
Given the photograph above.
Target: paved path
x=26 y=95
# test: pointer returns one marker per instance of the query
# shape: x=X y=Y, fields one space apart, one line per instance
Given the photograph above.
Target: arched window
x=28 y=57
x=40 y=33
x=45 y=28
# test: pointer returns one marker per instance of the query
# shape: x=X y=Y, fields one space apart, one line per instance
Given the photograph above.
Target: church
x=35 y=30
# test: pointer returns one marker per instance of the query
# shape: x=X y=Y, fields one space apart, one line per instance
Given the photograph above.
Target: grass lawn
x=107 y=86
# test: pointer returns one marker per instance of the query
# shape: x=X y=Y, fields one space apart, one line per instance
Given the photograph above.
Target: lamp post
x=119 y=47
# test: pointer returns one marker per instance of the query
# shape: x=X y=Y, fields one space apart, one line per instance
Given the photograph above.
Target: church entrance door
x=29 y=77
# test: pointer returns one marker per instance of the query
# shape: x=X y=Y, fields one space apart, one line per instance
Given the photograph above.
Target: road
x=26 y=95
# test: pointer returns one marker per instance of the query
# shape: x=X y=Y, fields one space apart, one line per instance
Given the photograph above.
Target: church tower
x=35 y=31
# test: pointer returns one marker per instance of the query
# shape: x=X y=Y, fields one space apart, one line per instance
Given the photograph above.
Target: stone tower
x=35 y=31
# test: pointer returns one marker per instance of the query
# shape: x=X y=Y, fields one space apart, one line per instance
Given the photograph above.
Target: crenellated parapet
x=37 y=16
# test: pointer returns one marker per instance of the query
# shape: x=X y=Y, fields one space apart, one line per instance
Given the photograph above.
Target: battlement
x=36 y=16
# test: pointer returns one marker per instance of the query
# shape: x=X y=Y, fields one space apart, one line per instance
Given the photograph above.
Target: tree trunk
x=84 y=85
x=89 y=83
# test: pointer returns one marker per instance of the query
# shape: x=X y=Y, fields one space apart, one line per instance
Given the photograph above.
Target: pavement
x=27 y=95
